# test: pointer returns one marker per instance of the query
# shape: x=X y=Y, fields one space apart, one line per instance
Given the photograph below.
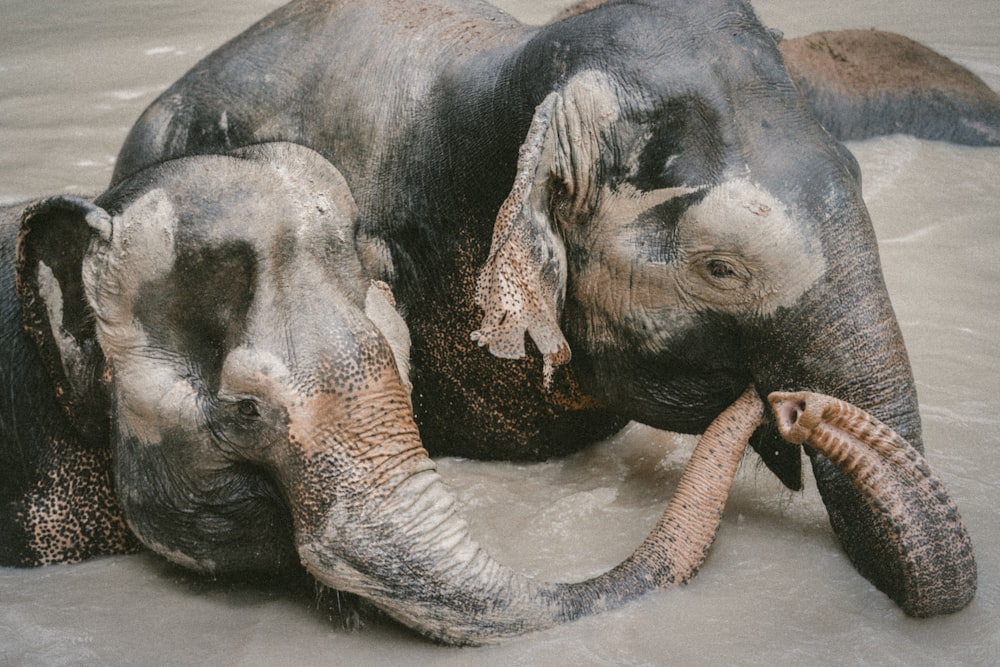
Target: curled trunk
x=910 y=507
x=413 y=557
x=405 y=548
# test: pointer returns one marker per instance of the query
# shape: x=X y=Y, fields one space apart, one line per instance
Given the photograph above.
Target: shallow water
x=776 y=589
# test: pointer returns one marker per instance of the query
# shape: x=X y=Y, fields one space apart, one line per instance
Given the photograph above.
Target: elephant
x=639 y=190
x=235 y=398
x=865 y=83
x=209 y=333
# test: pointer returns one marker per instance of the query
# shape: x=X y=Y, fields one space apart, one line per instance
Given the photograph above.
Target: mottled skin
x=254 y=393
x=679 y=220
x=57 y=500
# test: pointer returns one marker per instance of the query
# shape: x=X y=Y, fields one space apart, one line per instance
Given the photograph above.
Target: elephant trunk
x=402 y=545
x=841 y=338
x=934 y=553
x=936 y=545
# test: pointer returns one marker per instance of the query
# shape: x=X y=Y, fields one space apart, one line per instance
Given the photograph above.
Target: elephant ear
x=522 y=286
x=53 y=238
x=380 y=308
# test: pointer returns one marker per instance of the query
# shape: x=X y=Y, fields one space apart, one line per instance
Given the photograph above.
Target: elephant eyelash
x=720 y=269
x=248 y=408
x=725 y=274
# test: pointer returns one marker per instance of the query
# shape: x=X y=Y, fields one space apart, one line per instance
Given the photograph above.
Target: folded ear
x=522 y=286
x=54 y=236
x=380 y=308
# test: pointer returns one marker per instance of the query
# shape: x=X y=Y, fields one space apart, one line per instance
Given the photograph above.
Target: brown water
x=776 y=589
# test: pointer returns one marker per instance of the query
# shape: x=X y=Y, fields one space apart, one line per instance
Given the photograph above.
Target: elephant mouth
x=782 y=458
x=687 y=403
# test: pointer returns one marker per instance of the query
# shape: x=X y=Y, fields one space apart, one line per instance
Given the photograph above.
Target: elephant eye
x=248 y=408
x=720 y=269
x=725 y=273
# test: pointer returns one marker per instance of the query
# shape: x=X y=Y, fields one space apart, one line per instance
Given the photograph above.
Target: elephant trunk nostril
x=914 y=521
x=796 y=411
x=790 y=412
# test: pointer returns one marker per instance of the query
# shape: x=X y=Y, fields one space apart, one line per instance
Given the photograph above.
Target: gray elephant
x=199 y=354
x=865 y=83
x=202 y=356
x=639 y=188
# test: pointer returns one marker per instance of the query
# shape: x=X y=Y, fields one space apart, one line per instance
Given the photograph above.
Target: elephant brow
x=656 y=239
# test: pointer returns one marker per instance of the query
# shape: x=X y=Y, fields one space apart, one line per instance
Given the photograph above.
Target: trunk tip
x=795 y=414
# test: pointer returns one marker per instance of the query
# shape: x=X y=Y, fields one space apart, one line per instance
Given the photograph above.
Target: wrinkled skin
x=646 y=193
x=875 y=457
x=210 y=322
x=127 y=308
x=867 y=83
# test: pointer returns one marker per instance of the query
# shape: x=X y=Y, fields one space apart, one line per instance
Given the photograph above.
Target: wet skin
x=638 y=190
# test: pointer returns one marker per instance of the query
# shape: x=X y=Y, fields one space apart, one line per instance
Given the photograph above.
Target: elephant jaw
x=914 y=513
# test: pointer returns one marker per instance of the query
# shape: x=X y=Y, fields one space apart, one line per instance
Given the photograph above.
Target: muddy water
x=776 y=588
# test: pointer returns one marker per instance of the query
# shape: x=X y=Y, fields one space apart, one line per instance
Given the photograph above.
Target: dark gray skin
x=869 y=83
x=57 y=497
x=866 y=83
x=678 y=223
x=212 y=320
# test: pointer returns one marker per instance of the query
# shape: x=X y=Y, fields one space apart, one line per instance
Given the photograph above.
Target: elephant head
x=683 y=226
x=217 y=309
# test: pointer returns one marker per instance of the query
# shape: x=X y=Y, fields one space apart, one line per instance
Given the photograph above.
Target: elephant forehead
x=742 y=220
x=146 y=234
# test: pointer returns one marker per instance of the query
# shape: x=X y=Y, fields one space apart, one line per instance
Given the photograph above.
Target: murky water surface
x=776 y=589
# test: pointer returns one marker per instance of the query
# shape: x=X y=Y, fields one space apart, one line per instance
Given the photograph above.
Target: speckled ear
x=54 y=236
x=522 y=285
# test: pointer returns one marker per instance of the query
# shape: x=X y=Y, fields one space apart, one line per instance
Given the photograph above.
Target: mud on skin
x=653 y=166
x=674 y=220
